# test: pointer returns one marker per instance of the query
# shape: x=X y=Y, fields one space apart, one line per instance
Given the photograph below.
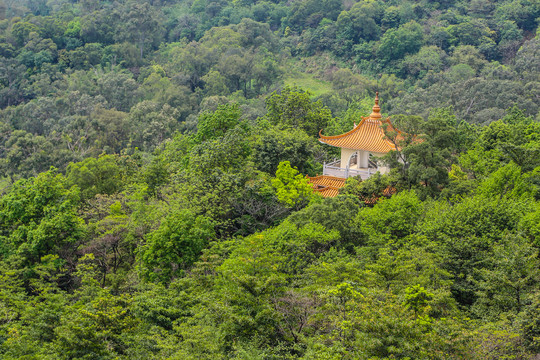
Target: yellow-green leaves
x=292 y=188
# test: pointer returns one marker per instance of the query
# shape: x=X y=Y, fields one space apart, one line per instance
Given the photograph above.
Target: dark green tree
x=396 y=43
x=294 y=108
x=174 y=246
x=139 y=24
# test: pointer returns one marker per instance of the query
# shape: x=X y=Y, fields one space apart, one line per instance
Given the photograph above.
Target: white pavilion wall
x=345 y=156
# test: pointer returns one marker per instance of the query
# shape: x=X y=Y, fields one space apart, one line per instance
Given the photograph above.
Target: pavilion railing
x=333 y=169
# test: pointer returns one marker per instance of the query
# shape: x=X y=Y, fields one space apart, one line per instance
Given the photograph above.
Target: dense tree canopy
x=153 y=193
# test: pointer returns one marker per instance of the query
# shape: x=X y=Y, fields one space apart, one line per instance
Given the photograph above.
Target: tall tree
x=294 y=108
x=139 y=24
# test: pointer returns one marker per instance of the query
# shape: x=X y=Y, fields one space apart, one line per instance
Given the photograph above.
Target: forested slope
x=153 y=202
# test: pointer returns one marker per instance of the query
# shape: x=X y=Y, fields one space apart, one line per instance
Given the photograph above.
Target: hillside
x=153 y=199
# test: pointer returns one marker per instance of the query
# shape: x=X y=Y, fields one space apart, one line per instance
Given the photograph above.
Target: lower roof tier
x=327 y=186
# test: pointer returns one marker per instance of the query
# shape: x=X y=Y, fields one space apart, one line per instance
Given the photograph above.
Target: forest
x=153 y=194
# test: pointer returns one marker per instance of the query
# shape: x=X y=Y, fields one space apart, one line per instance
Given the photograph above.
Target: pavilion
x=360 y=147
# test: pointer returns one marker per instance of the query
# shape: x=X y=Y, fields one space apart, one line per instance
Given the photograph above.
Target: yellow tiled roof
x=368 y=135
x=328 y=192
x=327 y=186
x=327 y=180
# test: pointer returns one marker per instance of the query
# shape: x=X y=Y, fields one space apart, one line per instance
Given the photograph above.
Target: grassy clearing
x=308 y=82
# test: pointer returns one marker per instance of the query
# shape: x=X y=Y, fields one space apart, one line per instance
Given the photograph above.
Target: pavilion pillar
x=363 y=158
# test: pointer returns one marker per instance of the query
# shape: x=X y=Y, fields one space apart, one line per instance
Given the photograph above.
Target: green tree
x=530 y=325
x=175 y=245
x=358 y=24
x=396 y=43
x=215 y=83
x=13 y=77
x=426 y=150
x=38 y=217
x=94 y=324
x=334 y=214
x=214 y=175
x=509 y=283
x=27 y=154
x=294 y=108
x=98 y=27
x=370 y=190
x=96 y=176
x=195 y=60
x=417 y=298
x=467 y=233
x=215 y=125
x=468 y=55
x=119 y=88
x=113 y=130
x=140 y=24
x=391 y=220
x=21 y=30
x=428 y=58
x=292 y=188
x=274 y=146
x=254 y=278
x=151 y=124
x=310 y=13
x=508 y=183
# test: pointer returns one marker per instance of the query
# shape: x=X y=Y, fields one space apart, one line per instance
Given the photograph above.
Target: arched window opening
x=353 y=160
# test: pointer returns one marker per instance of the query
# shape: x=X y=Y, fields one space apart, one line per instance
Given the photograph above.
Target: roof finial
x=376 y=113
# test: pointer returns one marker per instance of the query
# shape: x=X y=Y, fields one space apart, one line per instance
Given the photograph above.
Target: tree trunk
x=141 y=44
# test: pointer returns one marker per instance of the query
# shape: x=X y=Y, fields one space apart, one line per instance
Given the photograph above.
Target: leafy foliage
x=178 y=223
x=292 y=188
x=175 y=245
